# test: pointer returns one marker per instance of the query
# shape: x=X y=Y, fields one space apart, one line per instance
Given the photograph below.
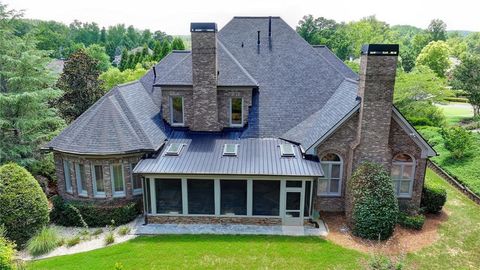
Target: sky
x=174 y=17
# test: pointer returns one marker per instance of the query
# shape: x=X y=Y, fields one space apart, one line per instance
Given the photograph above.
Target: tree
x=164 y=49
x=177 y=44
x=80 y=84
x=466 y=77
x=308 y=29
x=123 y=61
x=27 y=120
x=98 y=52
x=114 y=76
x=435 y=56
x=458 y=141
x=437 y=29
x=24 y=208
x=367 y=30
x=103 y=36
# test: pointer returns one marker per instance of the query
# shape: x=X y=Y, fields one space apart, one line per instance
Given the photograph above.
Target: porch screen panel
x=169 y=196
x=306 y=207
x=266 y=198
x=233 y=197
x=201 y=197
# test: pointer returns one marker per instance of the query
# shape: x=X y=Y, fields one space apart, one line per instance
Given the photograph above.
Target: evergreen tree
x=165 y=49
x=177 y=44
x=157 y=50
x=103 y=36
x=123 y=61
x=27 y=121
x=80 y=84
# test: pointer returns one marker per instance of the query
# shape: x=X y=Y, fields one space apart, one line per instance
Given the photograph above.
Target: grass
x=45 y=241
x=73 y=241
x=456 y=112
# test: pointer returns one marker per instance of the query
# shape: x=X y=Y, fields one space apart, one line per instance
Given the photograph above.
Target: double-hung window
x=331 y=182
x=403 y=172
x=118 y=182
x=176 y=111
x=67 y=166
x=81 y=179
x=236 y=116
x=97 y=179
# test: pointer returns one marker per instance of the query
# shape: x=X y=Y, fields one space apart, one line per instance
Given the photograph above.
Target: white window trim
x=402 y=165
x=136 y=191
x=230 y=113
x=117 y=194
x=96 y=193
x=82 y=191
x=68 y=177
x=171 y=112
x=230 y=154
x=329 y=180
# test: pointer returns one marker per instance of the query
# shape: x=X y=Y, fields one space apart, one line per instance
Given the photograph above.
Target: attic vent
x=174 y=149
x=286 y=150
x=230 y=149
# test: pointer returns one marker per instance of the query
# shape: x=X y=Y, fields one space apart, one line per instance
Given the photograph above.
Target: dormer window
x=236 y=114
x=286 y=150
x=176 y=111
x=230 y=149
x=174 y=149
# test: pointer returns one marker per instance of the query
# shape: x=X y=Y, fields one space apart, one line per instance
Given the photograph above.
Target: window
x=230 y=149
x=233 y=197
x=174 y=149
x=266 y=198
x=236 y=116
x=137 y=181
x=81 y=179
x=403 y=173
x=98 y=184
x=118 y=183
x=169 y=196
x=331 y=183
x=286 y=150
x=176 y=111
x=306 y=207
x=201 y=197
x=67 y=174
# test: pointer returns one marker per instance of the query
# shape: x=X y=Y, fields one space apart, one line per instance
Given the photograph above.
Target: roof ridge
x=170 y=71
x=180 y=51
x=237 y=63
x=256 y=17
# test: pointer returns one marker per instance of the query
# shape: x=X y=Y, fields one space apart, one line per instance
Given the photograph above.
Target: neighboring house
x=253 y=126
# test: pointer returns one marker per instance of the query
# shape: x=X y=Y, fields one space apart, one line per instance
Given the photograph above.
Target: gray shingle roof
x=329 y=56
x=124 y=120
x=203 y=154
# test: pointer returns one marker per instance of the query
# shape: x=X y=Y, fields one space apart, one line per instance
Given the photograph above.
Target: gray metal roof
x=203 y=154
x=124 y=120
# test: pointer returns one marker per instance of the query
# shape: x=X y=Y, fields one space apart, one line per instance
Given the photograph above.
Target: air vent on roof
x=286 y=150
x=230 y=149
x=174 y=149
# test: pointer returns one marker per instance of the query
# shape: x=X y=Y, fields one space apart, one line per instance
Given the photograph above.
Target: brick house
x=253 y=126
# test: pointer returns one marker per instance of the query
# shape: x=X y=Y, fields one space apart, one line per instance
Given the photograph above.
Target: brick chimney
x=204 y=77
x=378 y=66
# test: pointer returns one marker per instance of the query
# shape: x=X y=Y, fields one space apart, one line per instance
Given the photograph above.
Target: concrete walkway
x=152 y=229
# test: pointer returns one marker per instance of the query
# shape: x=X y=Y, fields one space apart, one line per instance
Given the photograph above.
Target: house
x=253 y=126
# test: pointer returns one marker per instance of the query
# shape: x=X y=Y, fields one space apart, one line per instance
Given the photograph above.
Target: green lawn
x=456 y=112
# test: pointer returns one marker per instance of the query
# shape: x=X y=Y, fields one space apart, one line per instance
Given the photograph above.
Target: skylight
x=230 y=149
x=286 y=150
x=174 y=149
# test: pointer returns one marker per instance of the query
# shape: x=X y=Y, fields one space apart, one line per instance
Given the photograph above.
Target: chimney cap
x=203 y=27
x=380 y=49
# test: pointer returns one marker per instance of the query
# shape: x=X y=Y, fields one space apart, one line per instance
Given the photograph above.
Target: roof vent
x=286 y=150
x=230 y=149
x=174 y=149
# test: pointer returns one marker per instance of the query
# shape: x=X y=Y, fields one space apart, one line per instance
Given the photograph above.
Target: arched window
x=331 y=183
x=403 y=174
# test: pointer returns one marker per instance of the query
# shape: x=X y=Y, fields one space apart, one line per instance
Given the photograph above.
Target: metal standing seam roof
x=203 y=154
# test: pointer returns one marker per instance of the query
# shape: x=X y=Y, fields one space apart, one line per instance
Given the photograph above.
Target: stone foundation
x=213 y=220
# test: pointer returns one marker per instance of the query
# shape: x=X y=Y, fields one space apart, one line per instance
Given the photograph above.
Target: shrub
x=375 y=207
x=24 y=206
x=97 y=232
x=414 y=222
x=382 y=262
x=458 y=141
x=7 y=252
x=433 y=198
x=95 y=215
x=423 y=113
x=123 y=230
x=73 y=241
x=109 y=238
x=45 y=241
x=431 y=134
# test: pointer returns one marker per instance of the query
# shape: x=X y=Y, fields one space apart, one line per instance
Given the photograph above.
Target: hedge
x=375 y=207
x=75 y=213
x=23 y=205
x=414 y=222
x=433 y=198
x=7 y=252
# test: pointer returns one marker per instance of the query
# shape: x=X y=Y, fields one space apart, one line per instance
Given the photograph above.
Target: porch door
x=294 y=198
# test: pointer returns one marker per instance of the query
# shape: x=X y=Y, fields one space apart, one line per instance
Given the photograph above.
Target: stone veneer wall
x=223 y=101
x=212 y=220
x=88 y=162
